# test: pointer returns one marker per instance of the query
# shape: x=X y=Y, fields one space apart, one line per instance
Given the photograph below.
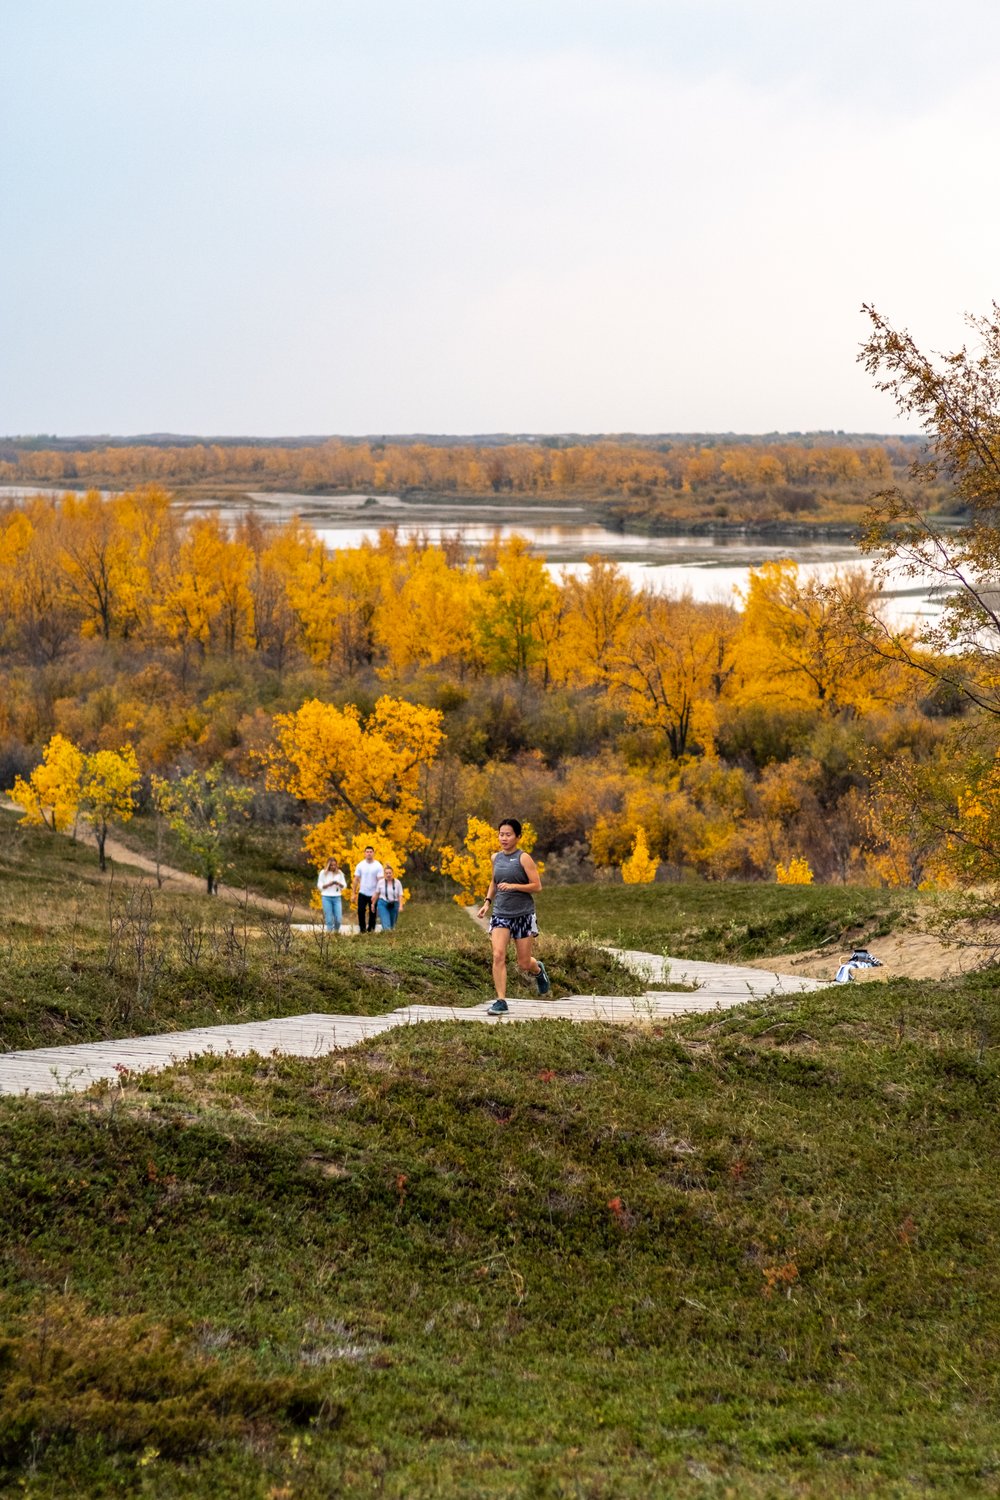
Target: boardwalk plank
x=52 y=1070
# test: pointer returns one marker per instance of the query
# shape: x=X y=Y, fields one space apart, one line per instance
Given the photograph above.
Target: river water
x=709 y=568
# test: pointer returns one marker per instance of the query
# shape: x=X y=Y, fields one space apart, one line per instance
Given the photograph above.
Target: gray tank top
x=511 y=903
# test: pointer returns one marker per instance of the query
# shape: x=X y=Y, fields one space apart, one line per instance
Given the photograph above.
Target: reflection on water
x=709 y=568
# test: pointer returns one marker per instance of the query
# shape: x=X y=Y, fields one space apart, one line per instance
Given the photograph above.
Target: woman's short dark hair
x=510 y=823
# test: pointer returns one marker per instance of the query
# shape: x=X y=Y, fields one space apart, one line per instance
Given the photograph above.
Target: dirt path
x=906 y=954
x=171 y=879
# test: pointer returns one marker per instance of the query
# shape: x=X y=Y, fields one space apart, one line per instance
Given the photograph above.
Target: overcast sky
x=366 y=216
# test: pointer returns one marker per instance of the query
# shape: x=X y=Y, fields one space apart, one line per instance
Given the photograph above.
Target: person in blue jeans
x=388 y=899
x=331 y=884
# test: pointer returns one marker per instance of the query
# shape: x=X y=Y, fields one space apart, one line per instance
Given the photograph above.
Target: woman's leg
x=327 y=912
x=525 y=962
x=383 y=914
x=391 y=914
x=499 y=938
x=337 y=912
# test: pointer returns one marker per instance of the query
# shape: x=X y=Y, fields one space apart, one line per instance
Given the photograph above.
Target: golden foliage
x=799 y=642
x=640 y=867
x=205 y=595
x=666 y=685
x=517 y=610
x=796 y=872
x=471 y=867
x=362 y=775
x=432 y=619
x=67 y=782
x=50 y=796
x=671 y=665
x=651 y=473
x=108 y=781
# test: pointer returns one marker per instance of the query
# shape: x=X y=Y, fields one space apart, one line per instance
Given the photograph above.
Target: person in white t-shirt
x=331 y=882
x=388 y=899
x=367 y=874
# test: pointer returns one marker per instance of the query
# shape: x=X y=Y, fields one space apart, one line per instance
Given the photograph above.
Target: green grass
x=267 y=860
x=747 y=1256
x=727 y=921
x=83 y=958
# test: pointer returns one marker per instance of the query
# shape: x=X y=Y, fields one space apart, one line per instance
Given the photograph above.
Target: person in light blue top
x=511 y=894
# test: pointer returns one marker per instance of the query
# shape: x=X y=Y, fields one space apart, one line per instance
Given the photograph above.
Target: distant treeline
x=819 y=478
x=10 y=447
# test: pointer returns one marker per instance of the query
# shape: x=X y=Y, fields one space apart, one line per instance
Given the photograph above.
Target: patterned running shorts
x=521 y=926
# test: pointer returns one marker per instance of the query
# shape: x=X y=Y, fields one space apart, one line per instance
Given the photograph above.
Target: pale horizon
x=571 y=217
x=163 y=438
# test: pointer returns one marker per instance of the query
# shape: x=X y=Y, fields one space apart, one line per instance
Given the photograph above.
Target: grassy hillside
x=724 y=921
x=750 y=1255
x=85 y=958
x=754 y=1256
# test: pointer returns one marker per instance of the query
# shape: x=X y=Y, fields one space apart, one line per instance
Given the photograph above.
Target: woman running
x=511 y=895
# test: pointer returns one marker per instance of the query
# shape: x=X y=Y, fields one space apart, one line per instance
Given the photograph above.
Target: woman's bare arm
x=488 y=901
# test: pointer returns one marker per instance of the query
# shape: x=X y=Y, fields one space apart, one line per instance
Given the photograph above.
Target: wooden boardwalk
x=51 y=1070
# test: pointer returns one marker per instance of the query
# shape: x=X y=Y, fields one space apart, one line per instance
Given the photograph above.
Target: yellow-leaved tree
x=337 y=596
x=37 y=611
x=205 y=592
x=431 y=619
x=640 y=867
x=67 y=782
x=796 y=872
x=601 y=613
x=50 y=796
x=101 y=565
x=360 y=777
x=515 y=610
x=16 y=534
x=108 y=781
x=471 y=867
x=671 y=666
x=799 y=643
x=936 y=821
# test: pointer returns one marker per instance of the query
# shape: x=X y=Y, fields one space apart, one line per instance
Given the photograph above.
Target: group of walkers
x=509 y=901
x=379 y=895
